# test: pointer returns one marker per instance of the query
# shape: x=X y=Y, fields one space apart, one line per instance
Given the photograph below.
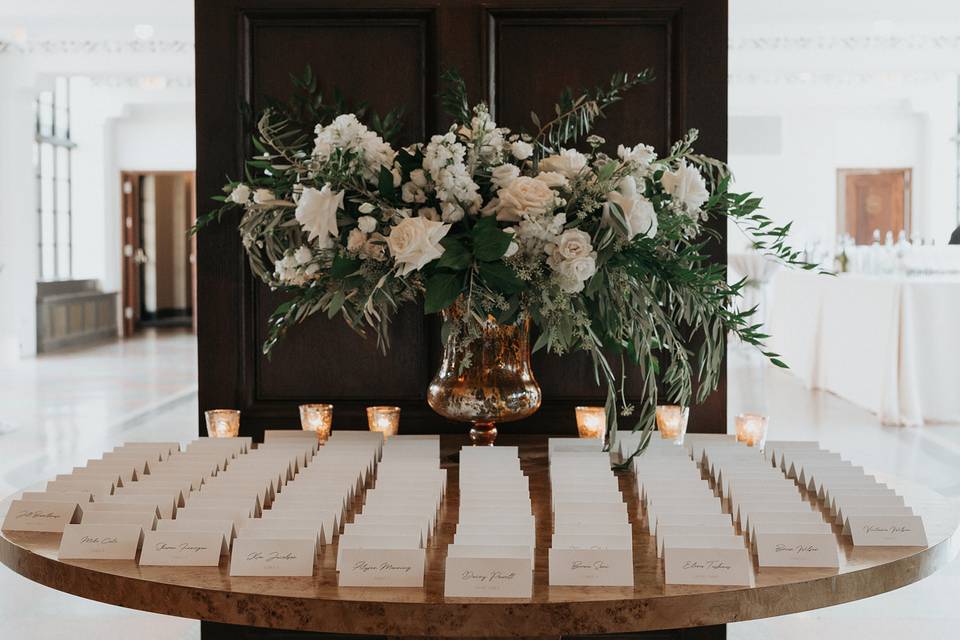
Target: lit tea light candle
x=672 y=421
x=386 y=420
x=317 y=418
x=223 y=423
x=592 y=422
x=751 y=429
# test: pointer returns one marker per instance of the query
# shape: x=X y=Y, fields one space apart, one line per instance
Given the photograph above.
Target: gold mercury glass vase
x=495 y=385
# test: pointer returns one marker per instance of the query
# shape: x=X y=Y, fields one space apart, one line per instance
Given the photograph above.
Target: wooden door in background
x=871 y=200
x=516 y=55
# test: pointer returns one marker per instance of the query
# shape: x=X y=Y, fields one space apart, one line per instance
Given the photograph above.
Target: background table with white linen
x=889 y=344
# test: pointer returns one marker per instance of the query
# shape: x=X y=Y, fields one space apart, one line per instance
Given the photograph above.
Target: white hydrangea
x=349 y=134
x=640 y=156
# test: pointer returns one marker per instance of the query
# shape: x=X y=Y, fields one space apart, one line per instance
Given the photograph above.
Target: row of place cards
x=592 y=539
x=783 y=528
x=868 y=511
x=492 y=553
x=385 y=545
x=693 y=535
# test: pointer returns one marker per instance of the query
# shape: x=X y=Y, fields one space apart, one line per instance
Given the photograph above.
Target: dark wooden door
x=131 y=251
x=874 y=200
x=516 y=55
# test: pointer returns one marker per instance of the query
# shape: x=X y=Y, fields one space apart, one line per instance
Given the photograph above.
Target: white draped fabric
x=888 y=344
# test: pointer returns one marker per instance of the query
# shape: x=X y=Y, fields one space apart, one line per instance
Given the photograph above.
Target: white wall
x=118 y=123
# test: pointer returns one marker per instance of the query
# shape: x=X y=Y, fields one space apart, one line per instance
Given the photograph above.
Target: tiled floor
x=57 y=411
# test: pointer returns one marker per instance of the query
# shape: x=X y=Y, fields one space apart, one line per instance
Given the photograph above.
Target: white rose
x=642 y=155
x=572 y=274
x=569 y=162
x=429 y=213
x=521 y=150
x=317 y=214
x=416 y=241
x=366 y=207
x=638 y=212
x=451 y=212
x=686 y=185
x=553 y=179
x=263 y=196
x=525 y=197
x=355 y=240
x=574 y=243
x=303 y=255
x=240 y=194
x=412 y=193
x=419 y=178
x=502 y=176
x=367 y=224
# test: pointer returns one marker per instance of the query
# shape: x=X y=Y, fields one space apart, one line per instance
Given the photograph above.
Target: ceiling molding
x=847 y=43
x=97 y=47
x=147 y=82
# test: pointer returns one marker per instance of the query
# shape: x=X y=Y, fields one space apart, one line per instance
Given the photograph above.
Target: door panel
x=874 y=199
x=516 y=55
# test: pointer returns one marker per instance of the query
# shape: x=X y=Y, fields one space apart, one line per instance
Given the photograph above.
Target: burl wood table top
x=318 y=604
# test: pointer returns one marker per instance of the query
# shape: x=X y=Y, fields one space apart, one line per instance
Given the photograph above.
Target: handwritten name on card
x=270 y=557
x=488 y=578
x=381 y=567
x=182 y=548
x=707 y=566
x=40 y=515
x=591 y=567
x=887 y=531
x=797 y=550
x=100 y=541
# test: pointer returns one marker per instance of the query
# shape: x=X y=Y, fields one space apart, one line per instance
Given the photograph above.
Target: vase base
x=483 y=434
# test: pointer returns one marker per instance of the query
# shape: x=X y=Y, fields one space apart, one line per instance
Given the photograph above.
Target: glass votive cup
x=751 y=429
x=591 y=422
x=223 y=423
x=385 y=420
x=672 y=421
x=317 y=418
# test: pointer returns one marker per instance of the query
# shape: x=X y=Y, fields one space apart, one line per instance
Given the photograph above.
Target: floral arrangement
x=604 y=253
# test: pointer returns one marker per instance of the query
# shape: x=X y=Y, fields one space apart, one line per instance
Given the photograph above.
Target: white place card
x=488 y=577
x=707 y=566
x=224 y=527
x=41 y=515
x=383 y=540
x=887 y=531
x=590 y=541
x=693 y=519
x=381 y=567
x=670 y=530
x=591 y=567
x=80 y=497
x=182 y=548
x=594 y=528
x=796 y=549
x=272 y=557
x=100 y=542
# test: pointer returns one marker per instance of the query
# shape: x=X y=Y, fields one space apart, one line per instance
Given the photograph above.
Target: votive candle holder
x=317 y=418
x=751 y=429
x=223 y=423
x=385 y=420
x=591 y=422
x=672 y=421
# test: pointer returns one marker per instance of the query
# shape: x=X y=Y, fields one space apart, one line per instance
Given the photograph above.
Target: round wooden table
x=317 y=604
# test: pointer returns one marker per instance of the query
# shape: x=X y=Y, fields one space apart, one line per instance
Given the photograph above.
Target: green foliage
x=453 y=96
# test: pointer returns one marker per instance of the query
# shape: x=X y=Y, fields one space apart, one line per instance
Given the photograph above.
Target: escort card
x=796 y=549
x=486 y=577
x=591 y=541
x=384 y=540
x=80 y=497
x=272 y=557
x=381 y=567
x=591 y=567
x=182 y=548
x=100 y=542
x=665 y=531
x=41 y=515
x=223 y=527
x=887 y=531
x=707 y=566
x=692 y=519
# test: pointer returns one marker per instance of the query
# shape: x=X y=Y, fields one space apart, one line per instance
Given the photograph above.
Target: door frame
x=130 y=216
x=842 y=194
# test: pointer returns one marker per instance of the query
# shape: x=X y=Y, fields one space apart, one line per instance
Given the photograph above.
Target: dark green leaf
x=455 y=256
x=343 y=266
x=489 y=242
x=442 y=290
x=385 y=184
x=499 y=277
